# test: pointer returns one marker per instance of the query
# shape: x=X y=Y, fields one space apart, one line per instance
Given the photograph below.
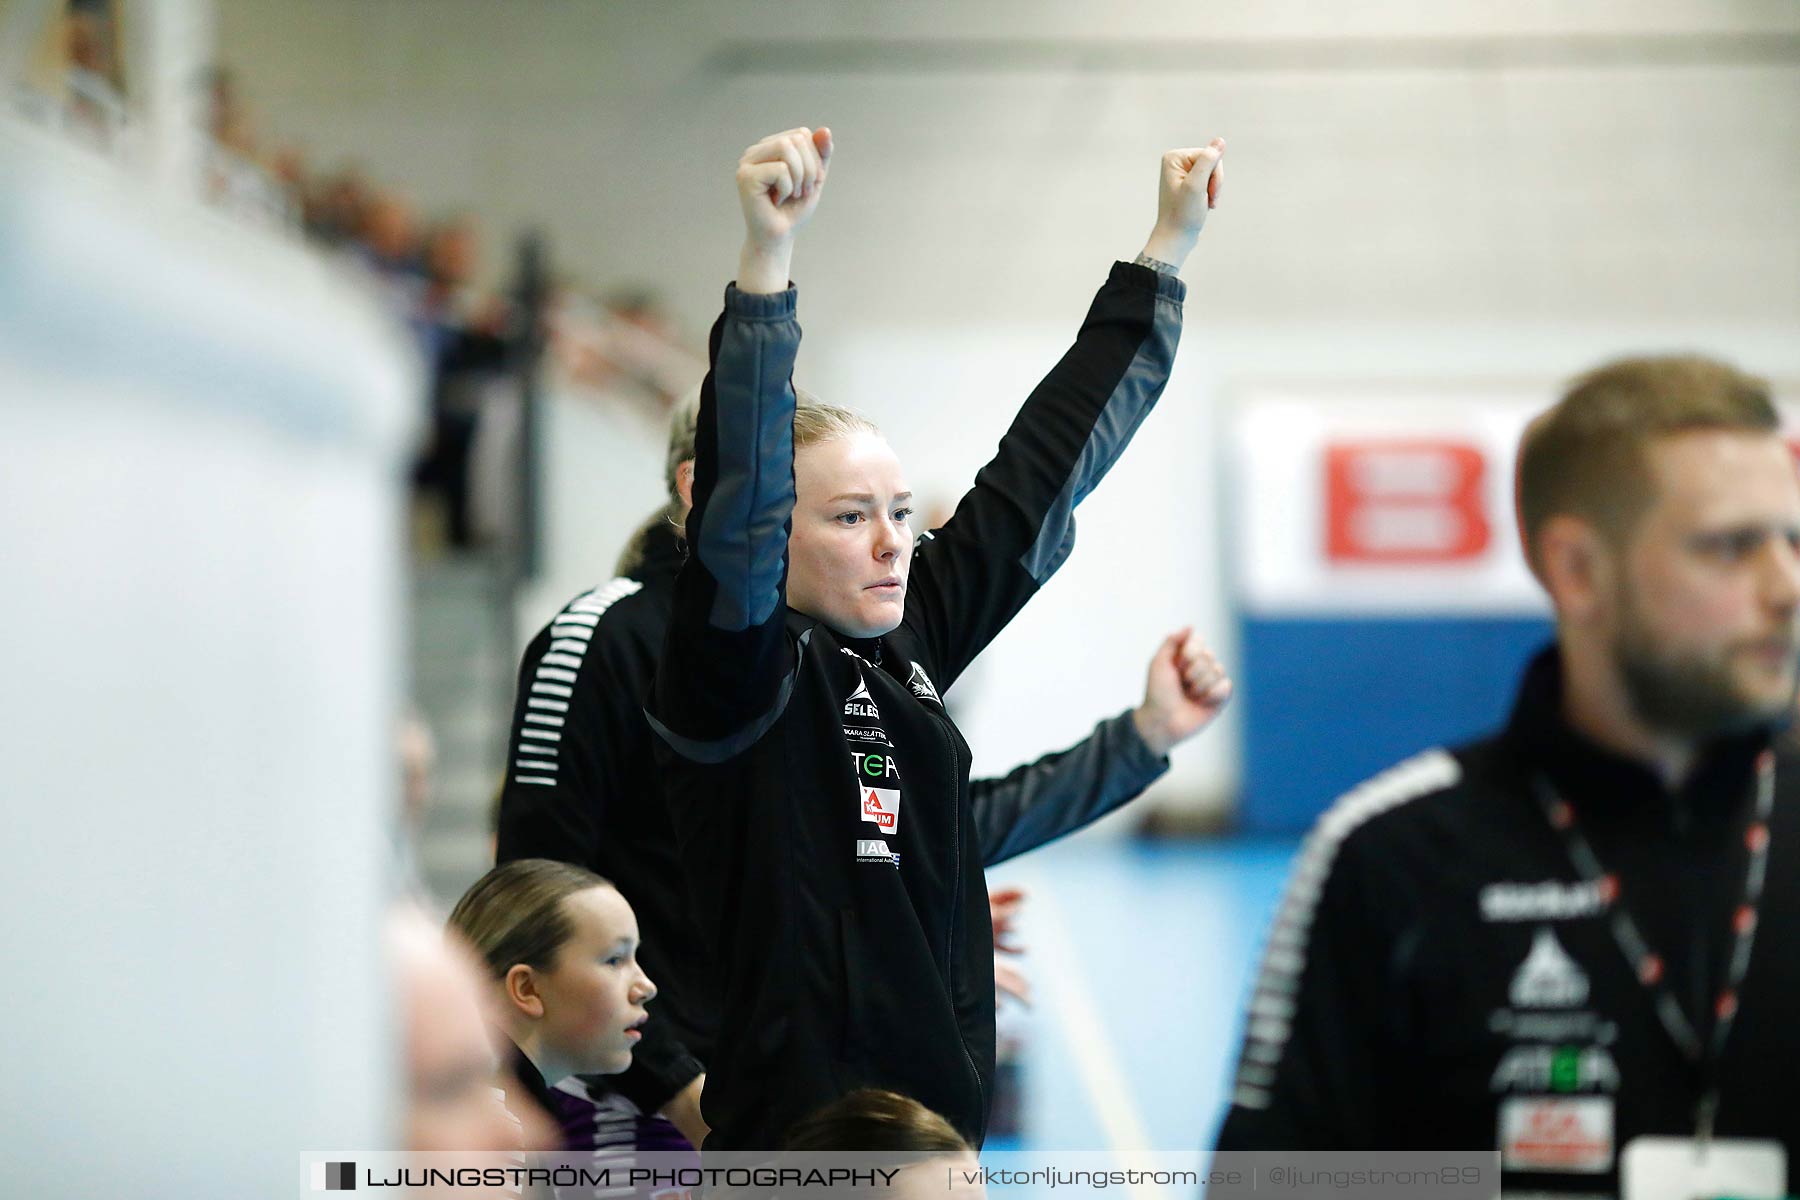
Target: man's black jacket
x=1440 y=976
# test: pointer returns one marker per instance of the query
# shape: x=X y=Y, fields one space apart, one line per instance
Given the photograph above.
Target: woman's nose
x=894 y=536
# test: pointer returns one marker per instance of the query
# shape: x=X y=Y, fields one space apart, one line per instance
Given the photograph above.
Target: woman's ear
x=522 y=995
x=684 y=483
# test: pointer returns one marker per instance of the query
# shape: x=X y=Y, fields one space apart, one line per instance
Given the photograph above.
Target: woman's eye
x=617 y=960
x=849 y=518
x=903 y=515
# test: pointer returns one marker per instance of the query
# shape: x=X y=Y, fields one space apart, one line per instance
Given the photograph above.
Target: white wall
x=202 y=450
x=1415 y=190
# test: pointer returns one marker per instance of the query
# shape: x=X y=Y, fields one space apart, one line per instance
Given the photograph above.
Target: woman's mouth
x=889 y=586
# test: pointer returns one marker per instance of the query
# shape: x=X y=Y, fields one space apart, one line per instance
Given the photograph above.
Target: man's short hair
x=1586 y=456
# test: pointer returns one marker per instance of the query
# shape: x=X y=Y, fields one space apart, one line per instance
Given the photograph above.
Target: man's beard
x=1688 y=696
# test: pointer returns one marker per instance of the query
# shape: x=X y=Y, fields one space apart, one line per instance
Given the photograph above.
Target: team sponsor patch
x=867 y=733
x=881 y=808
x=1548 y=978
x=922 y=687
x=871 y=765
x=1572 y=1135
x=1559 y=1069
x=875 y=850
x=1547 y=901
x=860 y=703
x=1554 y=1026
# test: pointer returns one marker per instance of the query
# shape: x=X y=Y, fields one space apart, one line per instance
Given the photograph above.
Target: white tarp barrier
x=203 y=442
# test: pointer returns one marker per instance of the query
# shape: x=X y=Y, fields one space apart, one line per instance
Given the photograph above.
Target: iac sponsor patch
x=875 y=850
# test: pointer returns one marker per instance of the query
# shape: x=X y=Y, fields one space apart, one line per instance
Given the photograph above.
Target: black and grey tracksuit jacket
x=1441 y=976
x=582 y=786
x=819 y=790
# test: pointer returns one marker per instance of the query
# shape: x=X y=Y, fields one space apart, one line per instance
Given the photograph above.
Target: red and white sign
x=1405 y=501
x=1383 y=500
x=1380 y=503
x=881 y=808
x=1562 y=1134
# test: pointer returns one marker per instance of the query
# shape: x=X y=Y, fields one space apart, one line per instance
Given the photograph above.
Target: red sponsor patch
x=881 y=808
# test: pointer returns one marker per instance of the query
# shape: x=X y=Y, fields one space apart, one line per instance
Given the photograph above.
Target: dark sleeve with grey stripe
x=1061 y=792
x=1015 y=527
x=1323 y=1037
x=726 y=669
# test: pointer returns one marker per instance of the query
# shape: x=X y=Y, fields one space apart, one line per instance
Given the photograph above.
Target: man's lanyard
x=1646 y=963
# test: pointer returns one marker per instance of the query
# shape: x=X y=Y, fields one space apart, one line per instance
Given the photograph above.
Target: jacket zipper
x=950 y=959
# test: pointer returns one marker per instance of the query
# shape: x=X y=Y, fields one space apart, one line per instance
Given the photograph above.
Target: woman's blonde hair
x=814 y=422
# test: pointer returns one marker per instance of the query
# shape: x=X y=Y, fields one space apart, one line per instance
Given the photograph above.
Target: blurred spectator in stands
x=626 y=346
x=336 y=216
x=388 y=245
x=73 y=79
x=451 y=301
x=288 y=167
x=416 y=750
x=228 y=118
x=236 y=178
x=467 y=340
x=96 y=87
x=452 y=256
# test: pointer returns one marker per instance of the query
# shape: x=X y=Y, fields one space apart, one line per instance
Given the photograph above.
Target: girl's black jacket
x=583 y=787
x=819 y=789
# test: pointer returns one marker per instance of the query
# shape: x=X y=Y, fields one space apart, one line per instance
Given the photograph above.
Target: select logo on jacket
x=922 y=687
x=1548 y=978
x=861 y=704
x=881 y=808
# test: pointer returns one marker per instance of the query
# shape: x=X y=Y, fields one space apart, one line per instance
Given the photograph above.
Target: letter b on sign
x=1412 y=501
